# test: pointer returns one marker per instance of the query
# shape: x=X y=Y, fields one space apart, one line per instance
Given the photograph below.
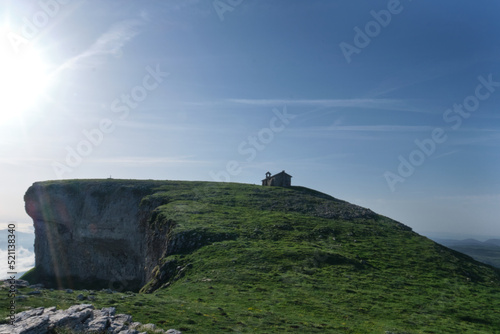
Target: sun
x=23 y=79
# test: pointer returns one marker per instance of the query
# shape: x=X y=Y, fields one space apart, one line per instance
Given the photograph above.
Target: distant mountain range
x=484 y=251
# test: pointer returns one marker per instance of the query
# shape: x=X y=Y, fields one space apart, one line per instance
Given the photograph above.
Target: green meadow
x=278 y=260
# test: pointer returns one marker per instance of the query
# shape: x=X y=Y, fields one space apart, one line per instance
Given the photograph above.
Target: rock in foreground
x=80 y=318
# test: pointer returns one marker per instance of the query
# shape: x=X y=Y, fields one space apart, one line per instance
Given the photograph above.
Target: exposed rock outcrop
x=82 y=318
x=95 y=233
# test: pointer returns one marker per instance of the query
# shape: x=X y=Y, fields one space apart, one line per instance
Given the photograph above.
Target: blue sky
x=217 y=90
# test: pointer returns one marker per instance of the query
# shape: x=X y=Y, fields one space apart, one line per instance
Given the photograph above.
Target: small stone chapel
x=281 y=179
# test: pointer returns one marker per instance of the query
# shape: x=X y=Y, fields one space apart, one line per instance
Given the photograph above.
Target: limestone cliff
x=95 y=232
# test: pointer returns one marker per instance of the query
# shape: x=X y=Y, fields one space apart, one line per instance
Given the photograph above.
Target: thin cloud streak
x=23 y=160
x=445 y=154
x=109 y=43
x=135 y=161
x=356 y=132
x=380 y=128
x=365 y=128
x=388 y=104
x=160 y=126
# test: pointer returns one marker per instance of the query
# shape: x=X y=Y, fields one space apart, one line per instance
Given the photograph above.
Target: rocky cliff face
x=95 y=233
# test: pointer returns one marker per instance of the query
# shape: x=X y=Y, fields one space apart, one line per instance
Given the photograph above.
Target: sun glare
x=23 y=78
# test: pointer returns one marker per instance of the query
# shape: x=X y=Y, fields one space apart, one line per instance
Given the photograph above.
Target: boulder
x=81 y=318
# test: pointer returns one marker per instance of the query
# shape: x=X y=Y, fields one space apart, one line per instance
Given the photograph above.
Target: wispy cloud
x=160 y=125
x=109 y=43
x=148 y=160
x=23 y=161
x=445 y=154
x=474 y=137
x=317 y=102
x=362 y=103
x=318 y=130
x=380 y=128
x=358 y=132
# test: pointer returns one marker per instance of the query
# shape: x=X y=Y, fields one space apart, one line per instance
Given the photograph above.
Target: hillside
x=245 y=258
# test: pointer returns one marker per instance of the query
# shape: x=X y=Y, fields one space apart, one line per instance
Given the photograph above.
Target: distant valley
x=484 y=251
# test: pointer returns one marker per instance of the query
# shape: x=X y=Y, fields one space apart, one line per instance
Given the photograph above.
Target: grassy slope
x=269 y=260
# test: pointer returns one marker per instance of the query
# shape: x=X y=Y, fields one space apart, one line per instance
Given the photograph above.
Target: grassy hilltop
x=269 y=259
